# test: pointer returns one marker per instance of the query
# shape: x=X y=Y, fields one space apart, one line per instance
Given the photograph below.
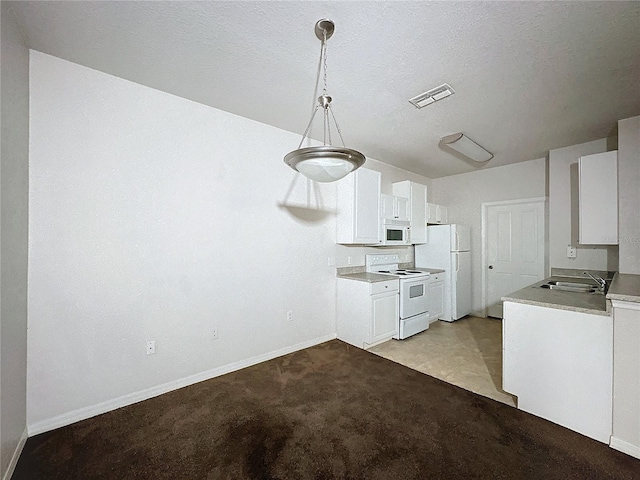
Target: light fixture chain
x=337 y=126
x=324 y=54
x=325 y=125
x=328 y=123
x=304 y=135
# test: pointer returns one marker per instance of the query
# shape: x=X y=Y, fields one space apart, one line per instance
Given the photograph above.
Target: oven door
x=413 y=297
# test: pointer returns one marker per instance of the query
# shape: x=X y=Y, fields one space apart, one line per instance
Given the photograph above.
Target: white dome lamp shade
x=324 y=163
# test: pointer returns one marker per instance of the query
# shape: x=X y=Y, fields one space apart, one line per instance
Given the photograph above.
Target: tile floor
x=466 y=353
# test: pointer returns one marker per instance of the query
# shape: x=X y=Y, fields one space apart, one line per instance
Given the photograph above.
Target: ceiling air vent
x=432 y=96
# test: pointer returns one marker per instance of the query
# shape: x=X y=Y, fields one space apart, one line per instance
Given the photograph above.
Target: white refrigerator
x=448 y=248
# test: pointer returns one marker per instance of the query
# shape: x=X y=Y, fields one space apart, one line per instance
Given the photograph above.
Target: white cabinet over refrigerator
x=448 y=248
x=436 y=214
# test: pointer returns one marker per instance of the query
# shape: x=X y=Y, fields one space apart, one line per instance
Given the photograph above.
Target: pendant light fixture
x=325 y=163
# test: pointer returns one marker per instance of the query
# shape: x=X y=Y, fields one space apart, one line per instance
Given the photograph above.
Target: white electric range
x=414 y=303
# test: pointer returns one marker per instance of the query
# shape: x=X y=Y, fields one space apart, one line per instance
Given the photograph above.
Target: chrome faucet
x=602 y=283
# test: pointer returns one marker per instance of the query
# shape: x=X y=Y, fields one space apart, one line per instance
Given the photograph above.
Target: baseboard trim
x=625 y=447
x=16 y=455
x=129 y=399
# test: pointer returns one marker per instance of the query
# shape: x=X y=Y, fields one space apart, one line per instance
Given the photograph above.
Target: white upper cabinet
x=436 y=214
x=387 y=206
x=417 y=195
x=358 y=208
x=394 y=208
x=598 y=199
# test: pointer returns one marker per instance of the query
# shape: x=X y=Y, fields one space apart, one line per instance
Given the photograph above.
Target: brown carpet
x=330 y=411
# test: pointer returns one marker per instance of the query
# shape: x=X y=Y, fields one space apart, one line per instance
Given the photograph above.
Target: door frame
x=485 y=215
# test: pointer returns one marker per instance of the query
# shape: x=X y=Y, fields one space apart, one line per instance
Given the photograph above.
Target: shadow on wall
x=304 y=203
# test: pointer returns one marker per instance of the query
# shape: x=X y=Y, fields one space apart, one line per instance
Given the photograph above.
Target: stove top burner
x=388 y=265
x=401 y=272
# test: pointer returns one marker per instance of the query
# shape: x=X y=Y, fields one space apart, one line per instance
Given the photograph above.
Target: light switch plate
x=571 y=251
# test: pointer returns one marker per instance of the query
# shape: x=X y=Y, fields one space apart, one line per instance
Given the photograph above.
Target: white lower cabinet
x=436 y=296
x=367 y=313
x=626 y=377
x=559 y=363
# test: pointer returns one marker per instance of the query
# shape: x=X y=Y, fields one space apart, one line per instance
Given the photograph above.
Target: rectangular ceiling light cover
x=433 y=95
x=467 y=147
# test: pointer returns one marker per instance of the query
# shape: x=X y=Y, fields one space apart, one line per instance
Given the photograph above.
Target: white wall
x=464 y=195
x=14 y=202
x=629 y=194
x=156 y=218
x=563 y=214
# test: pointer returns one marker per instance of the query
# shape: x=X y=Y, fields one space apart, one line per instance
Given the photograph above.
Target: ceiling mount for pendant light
x=325 y=163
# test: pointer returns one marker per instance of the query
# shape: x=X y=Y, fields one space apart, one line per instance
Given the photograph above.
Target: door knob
x=490 y=267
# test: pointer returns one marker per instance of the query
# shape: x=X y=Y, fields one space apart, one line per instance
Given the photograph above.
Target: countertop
x=367 y=277
x=376 y=277
x=429 y=270
x=625 y=287
x=594 y=303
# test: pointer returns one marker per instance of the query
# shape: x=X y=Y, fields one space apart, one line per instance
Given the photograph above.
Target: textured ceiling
x=528 y=76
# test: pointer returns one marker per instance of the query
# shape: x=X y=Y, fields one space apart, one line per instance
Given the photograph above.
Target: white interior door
x=513 y=234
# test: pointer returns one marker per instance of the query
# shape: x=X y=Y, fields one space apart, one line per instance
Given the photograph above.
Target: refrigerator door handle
x=457 y=240
x=457 y=262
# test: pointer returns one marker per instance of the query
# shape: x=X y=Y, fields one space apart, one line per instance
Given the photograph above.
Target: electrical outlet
x=151 y=347
x=349 y=261
x=214 y=333
x=571 y=251
x=289 y=316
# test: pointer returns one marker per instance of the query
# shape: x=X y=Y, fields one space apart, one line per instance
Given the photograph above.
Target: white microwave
x=395 y=232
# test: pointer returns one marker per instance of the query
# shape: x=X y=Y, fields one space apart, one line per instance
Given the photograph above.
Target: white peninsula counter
x=624 y=295
x=558 y=356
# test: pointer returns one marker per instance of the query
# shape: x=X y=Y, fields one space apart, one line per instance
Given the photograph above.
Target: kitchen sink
x=573 y=284
x=571 y=287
